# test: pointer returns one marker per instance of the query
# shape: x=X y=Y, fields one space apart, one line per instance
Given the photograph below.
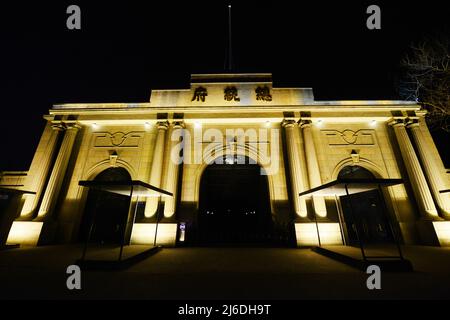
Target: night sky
x=126 y=48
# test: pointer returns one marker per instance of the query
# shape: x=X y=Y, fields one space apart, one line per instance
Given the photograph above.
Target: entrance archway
x=365 y=212
x=107 y=210
x=234 y=204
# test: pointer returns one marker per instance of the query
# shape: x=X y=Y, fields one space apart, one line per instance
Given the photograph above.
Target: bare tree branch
x=426 y=79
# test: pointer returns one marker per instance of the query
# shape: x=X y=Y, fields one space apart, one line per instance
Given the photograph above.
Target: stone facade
x=308 y=142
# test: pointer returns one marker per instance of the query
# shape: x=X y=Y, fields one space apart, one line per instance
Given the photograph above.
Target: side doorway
x=364 y=213
x=106 y=211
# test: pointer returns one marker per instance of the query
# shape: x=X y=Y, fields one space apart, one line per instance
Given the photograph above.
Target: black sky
x=126 y=48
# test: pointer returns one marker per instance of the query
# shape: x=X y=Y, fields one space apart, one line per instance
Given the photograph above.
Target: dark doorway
x=106 y=210
x=5 y=200
x=365 y=212
x=234 y=205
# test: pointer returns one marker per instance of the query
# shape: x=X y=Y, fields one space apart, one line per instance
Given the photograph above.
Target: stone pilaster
x=416 y=176
x=296 y=172
x=58 y=172
x=313 y=169
x=433 y=171
x=39 y=170
x=151 y=204
x=173 y=168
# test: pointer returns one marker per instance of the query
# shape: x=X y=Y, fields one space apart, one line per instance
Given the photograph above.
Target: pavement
x=220 y=273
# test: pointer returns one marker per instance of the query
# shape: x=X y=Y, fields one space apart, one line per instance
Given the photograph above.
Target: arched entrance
x=234 y=204
x=365 y=211
x=107 y=210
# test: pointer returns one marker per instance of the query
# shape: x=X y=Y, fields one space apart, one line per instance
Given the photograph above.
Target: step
x=386 y=264
x=9 y=246
x=115 y=264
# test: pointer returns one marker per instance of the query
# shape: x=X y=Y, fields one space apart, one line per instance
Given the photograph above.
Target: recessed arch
x=365 y=214
x=99 y=167
x=355 y=172
x=234 y=204
x=241 y=150
x=365 y=163
x=105 y=213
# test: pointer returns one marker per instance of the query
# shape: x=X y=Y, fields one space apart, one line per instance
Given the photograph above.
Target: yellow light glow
x=442 y=229
x=25 y=233
x=306 y=234
x=144 y=233
x=182 y=235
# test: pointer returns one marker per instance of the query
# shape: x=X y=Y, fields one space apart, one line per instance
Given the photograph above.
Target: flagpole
x=230 y=51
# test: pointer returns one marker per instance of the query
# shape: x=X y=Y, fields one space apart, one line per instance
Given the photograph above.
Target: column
x=313 y=169
x=416 y=176
x=58 y=172
x=432 y=169
x=40 y=169
x=151 y=204
x=296 y=173
x=173 y=167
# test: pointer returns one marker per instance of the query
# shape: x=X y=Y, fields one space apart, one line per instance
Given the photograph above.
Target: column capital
x=305 y=123
x=162 y=125
x=58 y=126
x=397 y=122
x=289 y=123
x=178 y=124
x=412 y=122
x=61 y=126
x=421 y=113
x=72 y=126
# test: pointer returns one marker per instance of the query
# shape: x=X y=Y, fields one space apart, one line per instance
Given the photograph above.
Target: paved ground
x=221 y=273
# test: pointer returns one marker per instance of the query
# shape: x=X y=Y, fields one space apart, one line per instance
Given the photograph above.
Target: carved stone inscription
x=349 y=137
x=118 y=139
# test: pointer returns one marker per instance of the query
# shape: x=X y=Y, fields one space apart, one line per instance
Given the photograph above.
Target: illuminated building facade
x=235 y=152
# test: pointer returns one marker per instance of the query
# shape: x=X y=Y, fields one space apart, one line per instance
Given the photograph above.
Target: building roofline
x=231 y=77
x=337 y=103
x=364 y=102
